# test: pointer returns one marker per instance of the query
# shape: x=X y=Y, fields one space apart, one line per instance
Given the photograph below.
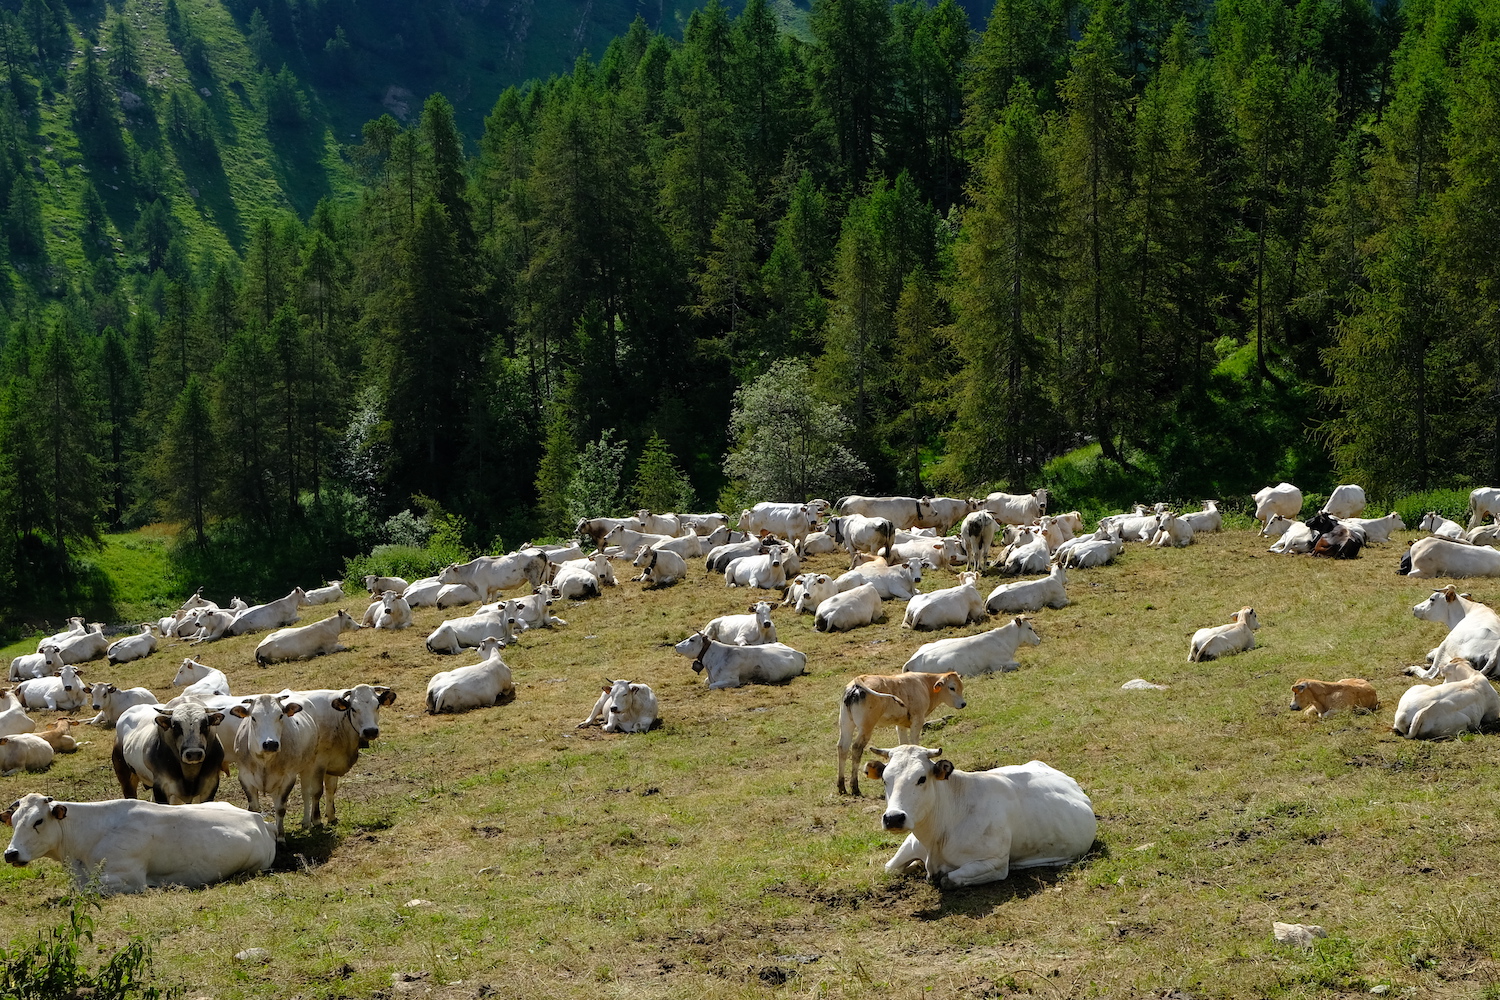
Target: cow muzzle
x=193 y=756
x=893 y=821
x=270 y=746
x=13 y=857
x=370 y=732
x=1294 y=707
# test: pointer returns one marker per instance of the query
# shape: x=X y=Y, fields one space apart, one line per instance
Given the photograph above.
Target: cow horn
x=880 y=752
x=933 y=752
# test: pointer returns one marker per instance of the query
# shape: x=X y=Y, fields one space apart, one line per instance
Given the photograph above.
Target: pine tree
x=659 y=485
x=186 y=463
x=124 y=50
x=66 y=433
x=555 y=472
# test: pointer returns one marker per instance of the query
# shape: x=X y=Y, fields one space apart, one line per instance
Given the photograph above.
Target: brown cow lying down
x=1326 y=697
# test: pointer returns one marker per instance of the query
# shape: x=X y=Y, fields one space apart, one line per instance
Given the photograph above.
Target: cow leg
x=252 y=796
x=979 y=872
x=911 y=849
x=123 y=773
x=312 y=798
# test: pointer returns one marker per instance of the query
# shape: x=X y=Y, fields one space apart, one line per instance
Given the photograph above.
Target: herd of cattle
x=966 y=828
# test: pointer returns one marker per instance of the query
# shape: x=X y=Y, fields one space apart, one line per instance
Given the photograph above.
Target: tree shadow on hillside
x=45 y=597
x=297 y=158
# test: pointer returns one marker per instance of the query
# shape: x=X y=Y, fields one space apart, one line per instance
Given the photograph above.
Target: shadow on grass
x=981 y=900
x=297 y=156
x=46 y=597
x=305 y=849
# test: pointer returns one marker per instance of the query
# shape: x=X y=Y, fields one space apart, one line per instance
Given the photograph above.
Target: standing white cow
x=347 y=720
x=1016 y=508
x=1346 y=501
x=490 y=575
x=1284 y=499
x=903 y=512
x=972 y=827
x=1483 y=502
x=275 y=745
x=978 y=536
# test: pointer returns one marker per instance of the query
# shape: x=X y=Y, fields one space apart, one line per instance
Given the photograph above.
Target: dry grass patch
x=712 y=858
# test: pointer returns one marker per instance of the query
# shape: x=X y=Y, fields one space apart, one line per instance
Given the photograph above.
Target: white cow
x=849 y=609
x=392 y=612
x=274 y=614
x=689 y=546
x=1473 y=632
x=1016 y=508
x=534 y=610
x=630 y=542
x=762 y=572
x=978 y=535
x=1221 y=640
x=1030 y=595
x=471 y=630
x=1435 y=556
x=132 y=845
x=421 y=593
x=46 y=663
x=659 y=567
x=24 y=752
x=451 y=595
x=1172 y=532
x=83 y=647
x=1440 y=526
x=199 y=679
x=1277 y=526
x=1483 y=502
x=752 y=629
x=816 y=588
x=306 y=641
x=1028 y=554
x=1346 y=501
x=209 y=625
x=623 y=708
x=490 y=575
x=380 y=584
x=1298 y=539
x=857 y=533
x=1284 y=499
x=953 y=606
x=132 y=647
x=111 y=702
x=903 y=512
x=972 y=655
x=75 y=627
x=660 y=524
x=703 y=524
x=347 y=720
x=973 y=827
x=790 y=521
x=1092 y=551
x=894 y=583
x=478 y=685
x=729 y=666
x=275 y=745
x=13 y=717
x=1377 y=529
x=1205 y=520
x=939 y=553
x=326 y=595
x=582 y=577
x=942 y=513
x=63 y=693
x=1465 y=700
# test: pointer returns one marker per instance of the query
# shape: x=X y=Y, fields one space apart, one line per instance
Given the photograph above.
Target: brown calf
x=1326 y=697
x=900 y=700
x=57 y=735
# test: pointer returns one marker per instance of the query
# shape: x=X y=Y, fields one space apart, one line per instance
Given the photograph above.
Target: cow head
x=450 y=574
x=100 y=693
x=34 y=818
x=190 y=672
x=53 y=657
x=619 y=693
x=948 y=688
x=1246 y=616
x=1299 y=694
x=1443 y=606
x=762 y=612
x=188 y=730
x=1322 y=522
x=361 y=706
x=694 y=646
x=1025 y=634
x=69 y=675
x=264 y=715
x=909 y=775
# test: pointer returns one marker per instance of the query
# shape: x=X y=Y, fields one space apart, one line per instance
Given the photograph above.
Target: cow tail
x=854 y=694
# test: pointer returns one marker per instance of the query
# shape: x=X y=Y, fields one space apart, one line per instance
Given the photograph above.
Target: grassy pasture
x=713 y=858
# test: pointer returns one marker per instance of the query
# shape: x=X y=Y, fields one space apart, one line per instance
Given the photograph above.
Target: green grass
x=713 y=858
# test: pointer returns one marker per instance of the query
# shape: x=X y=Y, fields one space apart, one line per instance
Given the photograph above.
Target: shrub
x=1452 y=504
x=49 y=967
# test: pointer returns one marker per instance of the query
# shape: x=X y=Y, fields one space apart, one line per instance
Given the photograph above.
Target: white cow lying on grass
x=972 y=827
x=1473 y=632
x=729 y=666
x=111 y=702
x=1377 y=529
x=623 y=708
x=133 y=845
x=24 y=752
x=471 y=630
x=1221 y=640
x=1298 y=539
x=1030 y=595
x=752 y=629
x=951 y=606
x=199 y=679
x=894 y=583
x=1465 y=700
x=815 y=588
x=63 y=693
x=849 y=609
x=307 y=640
x=1027 y=554
x=477 y=685
x=1092 y=550
x=13 y=717
x=976 y=654
x=1440 y=526
x=1435 y=556
x=132 y=647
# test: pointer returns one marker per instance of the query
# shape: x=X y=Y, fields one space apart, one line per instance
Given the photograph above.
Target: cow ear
x=290 y=708
x=387 y=696
x=5 y=817
x=874 y=769
x=240 y=712
x=340 y=704
x=941 y=769
x=59 y=811
x=215 y=718
x=164 y=722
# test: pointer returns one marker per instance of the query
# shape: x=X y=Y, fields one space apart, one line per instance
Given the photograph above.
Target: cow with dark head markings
x=175 y=752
